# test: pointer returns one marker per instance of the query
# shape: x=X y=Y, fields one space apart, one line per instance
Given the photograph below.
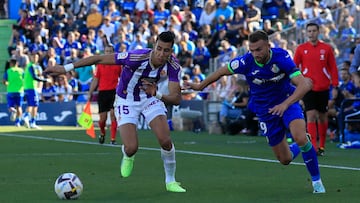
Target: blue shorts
x=15 y=99
x=275 y=127
x=32 y=98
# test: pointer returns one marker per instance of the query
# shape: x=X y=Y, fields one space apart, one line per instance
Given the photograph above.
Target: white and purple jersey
x=136 y=66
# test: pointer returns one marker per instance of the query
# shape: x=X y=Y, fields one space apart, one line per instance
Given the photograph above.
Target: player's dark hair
x=258 y=35
x=313 y=24
x=166 y=36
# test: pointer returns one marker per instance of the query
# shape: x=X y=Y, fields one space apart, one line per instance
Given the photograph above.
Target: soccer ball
x=68 y=186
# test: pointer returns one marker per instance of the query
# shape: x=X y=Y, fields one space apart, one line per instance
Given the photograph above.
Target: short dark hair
x=166 y=36
x=258 y=35
x=313 y=24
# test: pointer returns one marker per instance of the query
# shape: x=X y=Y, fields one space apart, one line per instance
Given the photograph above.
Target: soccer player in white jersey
x=137 y=94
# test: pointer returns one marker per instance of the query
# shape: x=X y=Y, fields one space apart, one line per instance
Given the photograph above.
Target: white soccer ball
x=68 y=186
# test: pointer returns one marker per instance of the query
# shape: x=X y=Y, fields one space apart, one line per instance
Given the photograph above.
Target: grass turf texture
x=213 y=168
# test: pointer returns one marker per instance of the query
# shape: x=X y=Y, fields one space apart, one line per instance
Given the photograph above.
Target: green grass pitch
x=213 y=168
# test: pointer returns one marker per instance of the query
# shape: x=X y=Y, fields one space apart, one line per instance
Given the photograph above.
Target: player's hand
x=190 y=85
x=149 y=87
x=55 y=70
x=278 y=109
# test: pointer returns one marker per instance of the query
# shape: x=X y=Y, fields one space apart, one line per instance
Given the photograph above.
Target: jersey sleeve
x=121 y=58
x=237 y=65
x=174 y=70
x=286 y=63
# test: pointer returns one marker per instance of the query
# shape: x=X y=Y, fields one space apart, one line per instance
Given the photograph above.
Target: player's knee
x=166 y=144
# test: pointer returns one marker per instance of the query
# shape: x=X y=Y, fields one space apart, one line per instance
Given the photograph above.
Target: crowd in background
x=63 y=31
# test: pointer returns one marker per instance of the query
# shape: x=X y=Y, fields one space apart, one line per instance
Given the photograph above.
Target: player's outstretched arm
x=97 y=59
x=208 y=80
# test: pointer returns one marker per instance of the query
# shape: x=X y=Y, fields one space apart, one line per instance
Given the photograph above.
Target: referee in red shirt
x=105 y=80
x=317 y=62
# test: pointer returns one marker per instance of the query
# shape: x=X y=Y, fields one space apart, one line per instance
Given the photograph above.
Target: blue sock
x=310 y=160
x=295 y=150
x=32 y=120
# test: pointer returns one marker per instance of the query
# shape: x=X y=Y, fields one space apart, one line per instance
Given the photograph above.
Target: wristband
x=69 y=67
x=158 y=95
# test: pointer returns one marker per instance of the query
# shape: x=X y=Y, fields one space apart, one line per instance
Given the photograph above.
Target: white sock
x=168 y=158
x=316 y=181
x=123 y=151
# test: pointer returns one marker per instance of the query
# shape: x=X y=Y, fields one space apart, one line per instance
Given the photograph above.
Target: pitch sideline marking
x=177 y=151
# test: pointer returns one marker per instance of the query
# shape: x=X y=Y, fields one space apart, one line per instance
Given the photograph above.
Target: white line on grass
x=177 y=151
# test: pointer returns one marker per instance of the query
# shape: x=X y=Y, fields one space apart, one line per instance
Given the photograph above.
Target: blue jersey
x=269 y=83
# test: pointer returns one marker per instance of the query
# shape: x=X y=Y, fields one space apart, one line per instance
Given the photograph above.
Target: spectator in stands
x=196 y=73
x=289 y=22
x=185 y=37
x=74 y=56
x=207 y=16
x=88 y=42
x=48 y=91
x=93 y=18
x=253 y=17
x=174 y=21
x=267 y=27
x=320 y=67
x=355 y=65
x=112 y=12
x=71 y=43
x=284 y=45
x=63 y=89
x=121 y=41
x=224 y=10
x=202 y=55
x=161 y=13
x=234 y=106
x=188 y=28
x=227 y=50
x=85 y=75
x=138 y=42
x=127 y=25
x=188 y=15
x=51 y=54
x=108 y=28
x=127 y=7
x=13 y=79
x=144 y=30
x=176 y=12
x=185 y=58
x=21 y=57
x=301 y=19
x=16 y=37
x=179 y=3
x=351 y=111
x=38 y=47
x=214 y=43
x=143 y=10
x=74 y=83
x=44 y=32
x=99 y=40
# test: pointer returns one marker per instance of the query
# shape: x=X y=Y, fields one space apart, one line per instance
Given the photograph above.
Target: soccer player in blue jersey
x=137 y=94
x=276 y=86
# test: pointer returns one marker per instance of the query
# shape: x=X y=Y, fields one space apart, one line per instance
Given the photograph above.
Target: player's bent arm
x=174 y=96
x=214 y=77
x=303 y=85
